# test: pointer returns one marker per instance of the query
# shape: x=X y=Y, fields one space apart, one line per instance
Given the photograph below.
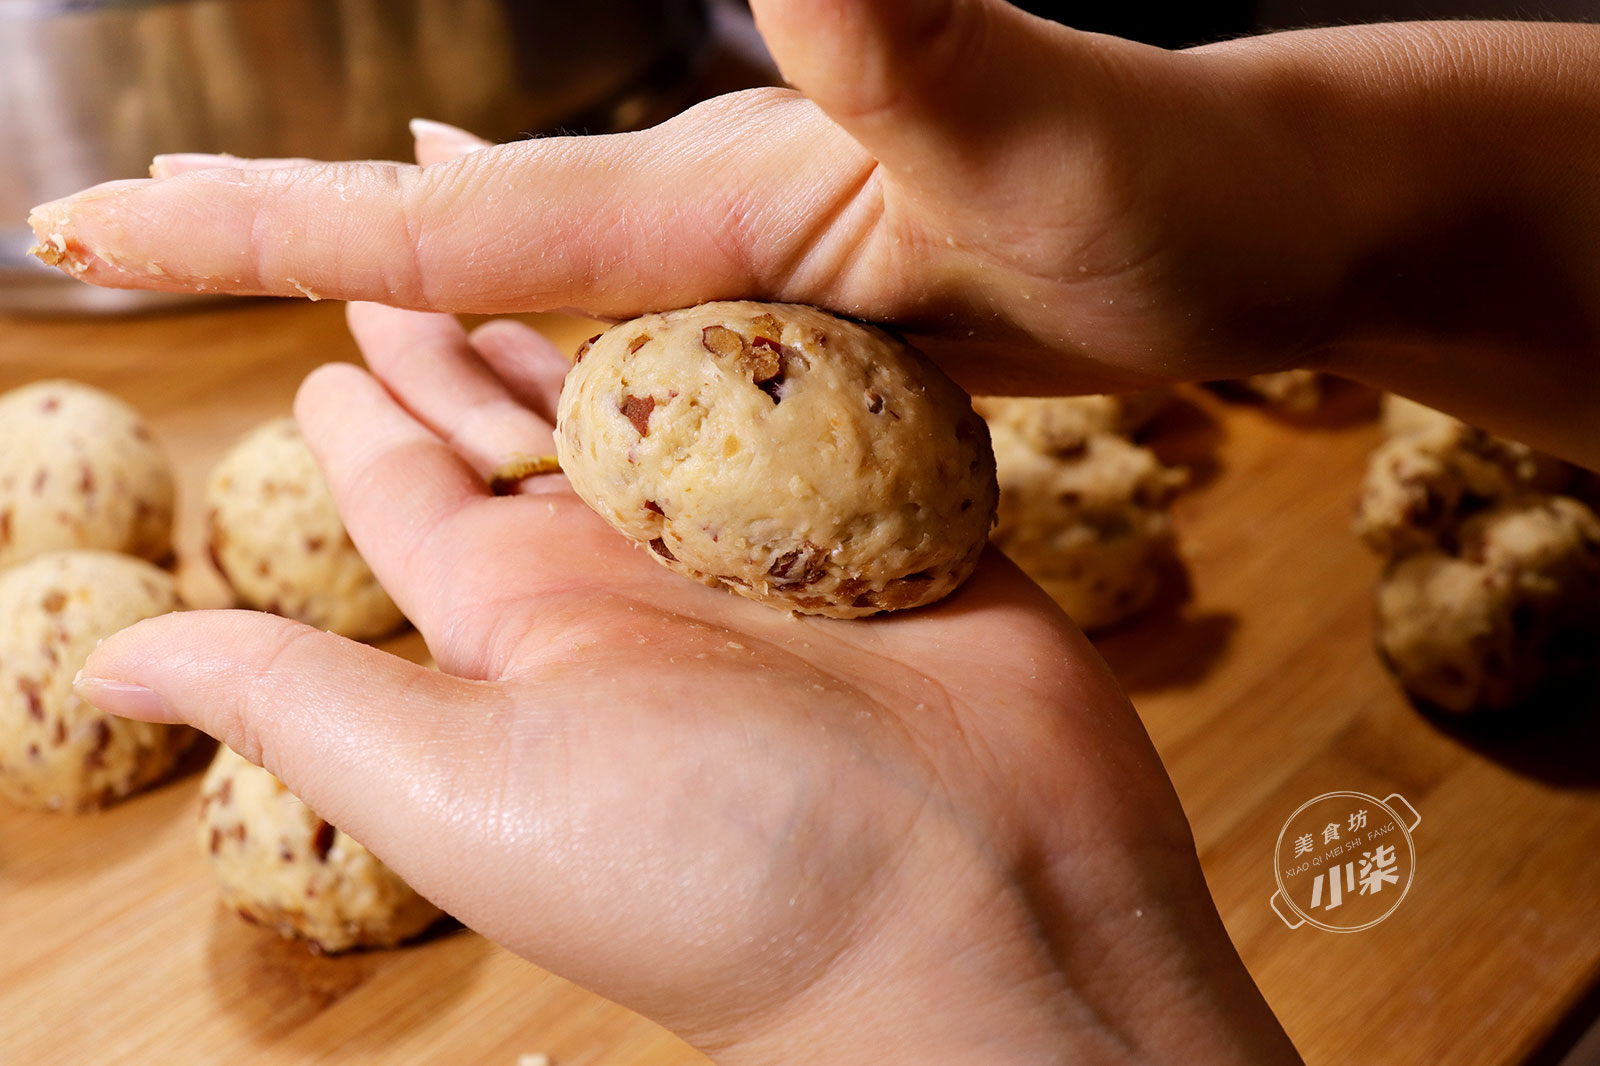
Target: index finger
x=722 y=202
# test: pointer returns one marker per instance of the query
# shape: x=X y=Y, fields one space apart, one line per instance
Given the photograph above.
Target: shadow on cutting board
x=1185 y=434
x=1343 y=404
x=1167 y=645
x=280 y=987
x=114 y=837
x=1555 y=740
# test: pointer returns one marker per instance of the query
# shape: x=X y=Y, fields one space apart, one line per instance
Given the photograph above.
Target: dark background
x=1184 y=24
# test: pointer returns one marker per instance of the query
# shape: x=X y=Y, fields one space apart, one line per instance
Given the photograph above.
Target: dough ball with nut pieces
x=1064 y=424
x=801 y=460
x=1091 y=524
x=80 y=469
x=277 y=538
x=1510 y=614
x=57 y=752
x=281 y=866
x=1434 y=472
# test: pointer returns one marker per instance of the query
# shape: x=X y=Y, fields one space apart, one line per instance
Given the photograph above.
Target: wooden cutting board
x=1261 y=692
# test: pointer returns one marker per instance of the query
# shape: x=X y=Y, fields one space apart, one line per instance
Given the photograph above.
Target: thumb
x=936 y=90
x=349 y=729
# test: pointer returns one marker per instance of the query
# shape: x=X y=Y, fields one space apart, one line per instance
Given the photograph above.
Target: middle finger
x=427 y=363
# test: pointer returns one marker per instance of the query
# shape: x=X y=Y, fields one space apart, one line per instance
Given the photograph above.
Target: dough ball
x=1403 y=417
x=277 y=537
x=1525 y=468
x=57 y=752
x=1515 y=610
x=281 y=866
x=801 y=460
x=1064 y=423
x=79 y=469
x=1294 y=391
x=1091 y=525
x=1423 y=483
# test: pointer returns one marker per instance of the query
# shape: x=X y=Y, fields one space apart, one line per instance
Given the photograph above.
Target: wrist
x=1458 y=163
x=1018 y=977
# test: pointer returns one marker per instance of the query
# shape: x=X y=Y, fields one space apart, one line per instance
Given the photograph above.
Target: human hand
x=1040 y=208
x=935 y=833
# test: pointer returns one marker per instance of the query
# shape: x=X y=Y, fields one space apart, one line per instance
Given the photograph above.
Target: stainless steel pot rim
x=99 y=86
x=36 y=9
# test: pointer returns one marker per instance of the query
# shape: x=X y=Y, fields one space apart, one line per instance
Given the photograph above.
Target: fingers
x=425 y=360
x=723 y=201
x=525 y=360
x=938 y=89
x=398 y=486
x=437 y=142
x=858 y=59
x=345 y=726
x=520 y=357
x=526 y=363
x=171 y=165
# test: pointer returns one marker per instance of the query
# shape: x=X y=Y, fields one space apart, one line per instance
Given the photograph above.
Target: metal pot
x=91 y=89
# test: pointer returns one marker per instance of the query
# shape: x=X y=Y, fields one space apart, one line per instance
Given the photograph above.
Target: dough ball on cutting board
x=1514 y=609
x=80 y=469
x=281 y=866
x=1434 y=472
x=1091 y=523
x=799 y=459
x=57 y=752
x=1061 y=424
x=277 y=538
x=1294 y=391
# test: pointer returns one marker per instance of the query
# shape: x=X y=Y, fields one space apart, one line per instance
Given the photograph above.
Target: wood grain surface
x=1261 y=691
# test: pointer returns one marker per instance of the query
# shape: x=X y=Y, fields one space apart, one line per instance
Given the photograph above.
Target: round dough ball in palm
x=801 y=460
x=79 y=469
x=277 y=537
x=1511 y=612
x=57 y=752
x=281 y=866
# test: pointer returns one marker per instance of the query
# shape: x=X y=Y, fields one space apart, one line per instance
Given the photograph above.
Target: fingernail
x=165 y=166
x=444 y=135
x=93 y=192
x=122 y=699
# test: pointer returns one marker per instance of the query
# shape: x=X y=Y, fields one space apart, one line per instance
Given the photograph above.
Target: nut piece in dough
x=281 y=866
x=278 y=539
x=1516 y=610
x=57 y=752
x=801 y=460
x=79 y=469
x=1090 y=524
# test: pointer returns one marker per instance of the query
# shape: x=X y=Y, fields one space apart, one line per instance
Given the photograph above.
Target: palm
x=706 y=809
x=735 y=821
x=745 y=772
x=703 y=793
